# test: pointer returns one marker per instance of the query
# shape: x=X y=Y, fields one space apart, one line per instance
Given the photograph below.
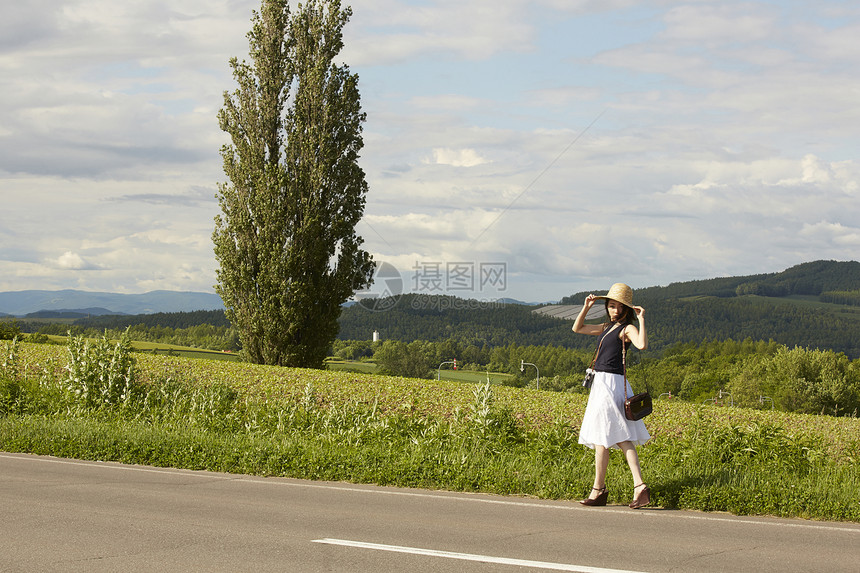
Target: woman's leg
x=601 y=462
x=633 y=461
x=641 y=493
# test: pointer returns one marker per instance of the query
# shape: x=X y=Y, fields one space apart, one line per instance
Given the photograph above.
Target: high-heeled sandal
x=641 y=499
x=600 y=500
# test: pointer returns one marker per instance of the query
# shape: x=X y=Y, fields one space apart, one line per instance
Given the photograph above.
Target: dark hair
x=628 y=316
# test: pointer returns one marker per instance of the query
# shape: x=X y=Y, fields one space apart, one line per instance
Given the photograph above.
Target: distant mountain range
x=74 y=303
x=82 y=304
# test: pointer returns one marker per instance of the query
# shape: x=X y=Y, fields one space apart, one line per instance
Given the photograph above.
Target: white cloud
x=835 y=234
x=73 y=262
x=706 y=24
x=473 y=30
x=447 y=102
x=456 y=157
x=816 y=171
x=725 y=140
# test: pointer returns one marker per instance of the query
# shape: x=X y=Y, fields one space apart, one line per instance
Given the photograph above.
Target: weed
x=9 y=367
x=102 y=373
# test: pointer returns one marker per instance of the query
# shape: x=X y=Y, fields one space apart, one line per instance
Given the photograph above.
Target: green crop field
x=166 y=349
x=185 y=351
x=468 y=376
x=473 y=377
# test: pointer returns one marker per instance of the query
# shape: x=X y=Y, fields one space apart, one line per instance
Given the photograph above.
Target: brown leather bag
x=640 y=405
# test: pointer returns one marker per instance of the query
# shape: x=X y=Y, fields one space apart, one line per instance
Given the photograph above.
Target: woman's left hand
x=639 y=311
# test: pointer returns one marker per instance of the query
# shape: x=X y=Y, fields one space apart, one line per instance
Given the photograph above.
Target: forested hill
x=819 y=278
x=438 y=318
x=813 y=305
x=158 y=320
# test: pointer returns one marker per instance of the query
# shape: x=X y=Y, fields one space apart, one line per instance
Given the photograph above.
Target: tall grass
x=99 y=405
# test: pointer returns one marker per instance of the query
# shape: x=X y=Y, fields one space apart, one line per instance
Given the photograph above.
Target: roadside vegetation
x=99 y=400
x=748 y=373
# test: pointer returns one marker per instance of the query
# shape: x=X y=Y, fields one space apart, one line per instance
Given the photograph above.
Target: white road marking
x=475 y=498
x=471 y=557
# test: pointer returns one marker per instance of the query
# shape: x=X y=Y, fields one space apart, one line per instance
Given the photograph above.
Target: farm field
x=165 y=349
x=460 y=375
x=351 y=426
x=364 y=367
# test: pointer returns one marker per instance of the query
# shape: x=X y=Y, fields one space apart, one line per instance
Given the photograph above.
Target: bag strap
x=624 y=361
x=602 y=336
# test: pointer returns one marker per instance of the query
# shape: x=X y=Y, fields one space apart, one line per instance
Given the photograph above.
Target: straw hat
x=620 y=292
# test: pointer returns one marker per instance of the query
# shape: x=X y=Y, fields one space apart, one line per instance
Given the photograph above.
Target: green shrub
x=800 y=380
x=9 y=330
x=38 y=338
x=10 y=396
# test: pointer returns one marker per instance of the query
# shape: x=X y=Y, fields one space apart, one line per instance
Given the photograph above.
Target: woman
x=604 y=425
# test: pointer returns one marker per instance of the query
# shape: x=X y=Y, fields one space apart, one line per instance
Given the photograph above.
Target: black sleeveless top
x=609 y=358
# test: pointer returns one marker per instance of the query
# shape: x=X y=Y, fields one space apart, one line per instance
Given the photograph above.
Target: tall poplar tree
x=285 y=241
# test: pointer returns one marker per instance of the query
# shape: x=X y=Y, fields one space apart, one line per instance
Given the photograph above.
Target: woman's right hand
x=579 y=324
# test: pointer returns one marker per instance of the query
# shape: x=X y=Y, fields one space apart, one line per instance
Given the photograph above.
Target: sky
x=520 y=149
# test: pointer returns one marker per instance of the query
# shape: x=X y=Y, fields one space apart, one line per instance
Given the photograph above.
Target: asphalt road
x=69 y=515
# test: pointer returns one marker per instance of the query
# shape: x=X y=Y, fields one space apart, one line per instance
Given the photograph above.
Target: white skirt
x=604 y=423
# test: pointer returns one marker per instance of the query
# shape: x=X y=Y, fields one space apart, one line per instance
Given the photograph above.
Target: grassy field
x=841 y=310
x=468 y=376
x=359 y=427
x=157 y=348
x=473 y=377
x=335 y=364
x=351 y=366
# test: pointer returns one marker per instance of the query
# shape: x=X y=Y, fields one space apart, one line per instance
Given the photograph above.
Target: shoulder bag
x=639 y=405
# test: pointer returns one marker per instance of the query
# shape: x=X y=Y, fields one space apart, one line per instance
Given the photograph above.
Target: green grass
x=184 y=351
x=351 y=366
x=164 y=349
x=350 y=426
x=474 y=377
x=467 y=376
